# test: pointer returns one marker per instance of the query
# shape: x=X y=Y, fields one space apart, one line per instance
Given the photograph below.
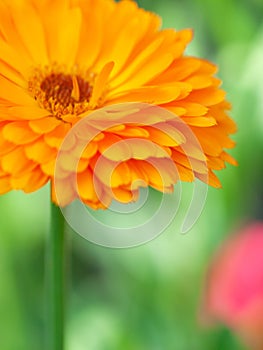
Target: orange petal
x=190 y=163
x=207 y=97
x=114 y=147
x=63 y=193
x=200 y=121
x=9 y=55
x=49 y=168
x=160 y=172
x=106 y=173
x=36 y=181
x=133 y=131
x=5 y=146
x=92 y=37
x=56 y=136
x=30 y=181
x=227 y=157
x=100 y=83
x=199 y=81
x=154 y=67
x=15 y=94
x=139 y=61
x=86 y=188
x=19 y=133
x=129 y=33
x=40 y=152
x=191 y=109
x=136 y=174
x=215 y=163
x=165 y=135
x=63 y=42
x=123 y=195
x=16 y=163
x=31 y=32
x=149 y=94
x=185 y=174
x=211 y=179
x=23 y=113
x=44 y=125
x=179 y=70
x=120 y=175
x=5 y=185
x=68 y=163
x=11 y=74
x=143 y=149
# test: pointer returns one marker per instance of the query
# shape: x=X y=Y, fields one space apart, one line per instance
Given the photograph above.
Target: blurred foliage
x=147 y=297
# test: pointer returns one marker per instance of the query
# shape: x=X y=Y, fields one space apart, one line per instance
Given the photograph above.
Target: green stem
x=56 y=279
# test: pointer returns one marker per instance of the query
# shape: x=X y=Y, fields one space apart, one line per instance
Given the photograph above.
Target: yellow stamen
x=75 y=91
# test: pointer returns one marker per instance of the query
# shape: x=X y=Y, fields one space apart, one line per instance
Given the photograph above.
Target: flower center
x=65 y=89
x=61 y=93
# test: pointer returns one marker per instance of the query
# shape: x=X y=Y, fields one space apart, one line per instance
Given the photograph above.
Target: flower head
x=234 y=293
x=74 y=57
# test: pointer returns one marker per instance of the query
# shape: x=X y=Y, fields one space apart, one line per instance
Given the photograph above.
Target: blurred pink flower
x=234 y=291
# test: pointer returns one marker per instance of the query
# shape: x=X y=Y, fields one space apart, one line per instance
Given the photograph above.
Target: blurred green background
x=147 y=297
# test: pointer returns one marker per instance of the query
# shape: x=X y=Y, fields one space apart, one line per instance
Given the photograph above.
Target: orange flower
x=76 y=56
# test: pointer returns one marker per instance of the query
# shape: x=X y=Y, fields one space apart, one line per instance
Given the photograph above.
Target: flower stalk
x=56 y=280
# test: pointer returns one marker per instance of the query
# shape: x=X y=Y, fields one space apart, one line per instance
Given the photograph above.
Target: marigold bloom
x=73 y=57
x=234 y=292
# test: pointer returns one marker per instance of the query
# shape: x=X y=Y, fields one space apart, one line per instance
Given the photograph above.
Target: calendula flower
x=60 y=60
